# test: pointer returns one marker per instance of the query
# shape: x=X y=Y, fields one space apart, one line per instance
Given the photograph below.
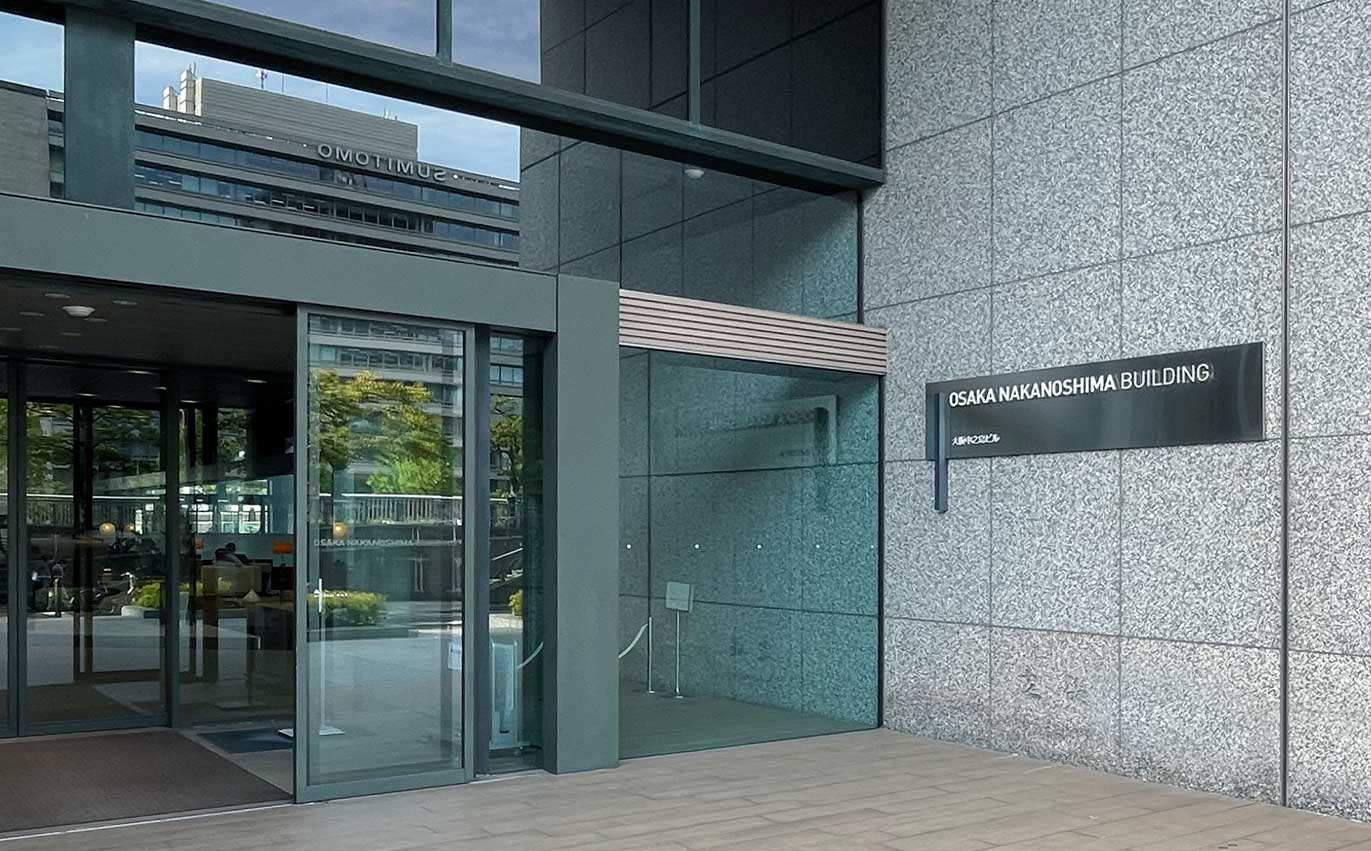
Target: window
x=263 y=196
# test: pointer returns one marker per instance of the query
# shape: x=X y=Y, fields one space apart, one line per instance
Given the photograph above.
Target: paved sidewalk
x=874 y=789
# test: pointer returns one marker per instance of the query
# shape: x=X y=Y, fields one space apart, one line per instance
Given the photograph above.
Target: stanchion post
x=650 y=690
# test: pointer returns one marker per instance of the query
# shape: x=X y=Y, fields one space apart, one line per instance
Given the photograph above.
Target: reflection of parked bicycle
x=52 y=594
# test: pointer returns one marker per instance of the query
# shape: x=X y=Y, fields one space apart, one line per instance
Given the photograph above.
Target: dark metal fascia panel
x=47 y=237
x=257 y=40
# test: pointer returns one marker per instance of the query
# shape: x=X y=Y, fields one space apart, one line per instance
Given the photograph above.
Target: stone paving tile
x=879 y=789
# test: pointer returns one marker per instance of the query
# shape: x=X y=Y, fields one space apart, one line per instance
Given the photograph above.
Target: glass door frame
x=306 y=712
x=17 y=723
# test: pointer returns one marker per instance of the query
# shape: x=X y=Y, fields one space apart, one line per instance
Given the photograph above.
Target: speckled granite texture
x=1124 y=609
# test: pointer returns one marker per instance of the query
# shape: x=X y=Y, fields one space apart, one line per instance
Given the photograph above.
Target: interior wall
x=1073 y=182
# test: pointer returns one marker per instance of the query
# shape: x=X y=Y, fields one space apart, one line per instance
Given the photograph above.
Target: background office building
x=390 y=401
x=221 y=153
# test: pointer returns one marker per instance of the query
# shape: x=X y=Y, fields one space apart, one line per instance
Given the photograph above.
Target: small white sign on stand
x=679 y=596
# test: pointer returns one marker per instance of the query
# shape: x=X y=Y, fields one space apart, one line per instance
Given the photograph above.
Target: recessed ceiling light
x=255 y=380
x=125 y=302
x=190 y=401
x=87 y=395
x=160 y=387
x=71 y=333
x=56 y=295
x=49 y=346
x=80 y=311
x=30 y=313
x=96 y=319
x=140 y=372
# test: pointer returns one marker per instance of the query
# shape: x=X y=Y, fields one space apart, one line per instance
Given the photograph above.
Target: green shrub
x=353 y=608
x=516 y=603
x=149 y=594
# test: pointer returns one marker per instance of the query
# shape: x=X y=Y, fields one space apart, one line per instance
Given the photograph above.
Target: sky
x=499 y=35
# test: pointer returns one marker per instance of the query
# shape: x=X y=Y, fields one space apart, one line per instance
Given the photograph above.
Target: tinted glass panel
x=237 y=504
x=517 y=598
x=8 y=561
x=218 y=143
x=475 y=189
x=748 y=561
x=805 y=73
x=386 y=541
x=634 y=53
x=660 y=226
x=500 y=36
x=407 y=24
x=96 y=603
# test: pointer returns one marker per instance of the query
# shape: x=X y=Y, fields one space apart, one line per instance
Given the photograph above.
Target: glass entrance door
x=383 y=686
x=92 y=593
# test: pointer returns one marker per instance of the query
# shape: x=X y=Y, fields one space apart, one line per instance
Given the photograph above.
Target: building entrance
x=148 y=552
x=198 y=615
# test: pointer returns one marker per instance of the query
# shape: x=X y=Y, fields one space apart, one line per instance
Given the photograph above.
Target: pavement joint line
x=145 y=822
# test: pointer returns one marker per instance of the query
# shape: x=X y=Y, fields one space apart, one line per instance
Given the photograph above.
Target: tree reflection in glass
x=386 y=444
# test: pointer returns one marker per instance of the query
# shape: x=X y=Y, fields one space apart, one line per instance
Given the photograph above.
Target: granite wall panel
x=1138 y=199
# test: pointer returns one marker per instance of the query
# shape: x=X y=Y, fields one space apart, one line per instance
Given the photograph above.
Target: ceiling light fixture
x=71 y=333
x=125 y=302
x=96 y=319
x=34 y=313
x=10 y=329
x=80 y=311
x=255 y=380
x=56 y=295
x=141 y=372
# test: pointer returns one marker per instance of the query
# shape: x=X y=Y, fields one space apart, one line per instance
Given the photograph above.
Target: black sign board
x=1183 y=398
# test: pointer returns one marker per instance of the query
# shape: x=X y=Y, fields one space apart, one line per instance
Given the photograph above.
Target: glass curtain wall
x=237 y=503
x=386 y=540
x=803 y=74
x=9 y=561
x=406 y=24
x=580 y=208
x=748 y=562
x=516 y=595
x=95 y=602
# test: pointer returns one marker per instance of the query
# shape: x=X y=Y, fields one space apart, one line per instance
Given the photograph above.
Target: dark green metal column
x=17 y=509
x=581 y=428
x=479 y=489
x=178 y=565
x=98 y=115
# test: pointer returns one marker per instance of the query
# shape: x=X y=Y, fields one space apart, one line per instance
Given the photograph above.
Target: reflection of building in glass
x=225 y=154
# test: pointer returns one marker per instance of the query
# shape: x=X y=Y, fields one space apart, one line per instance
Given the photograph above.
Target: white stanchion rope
x=634 y=643
x=534 y=655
